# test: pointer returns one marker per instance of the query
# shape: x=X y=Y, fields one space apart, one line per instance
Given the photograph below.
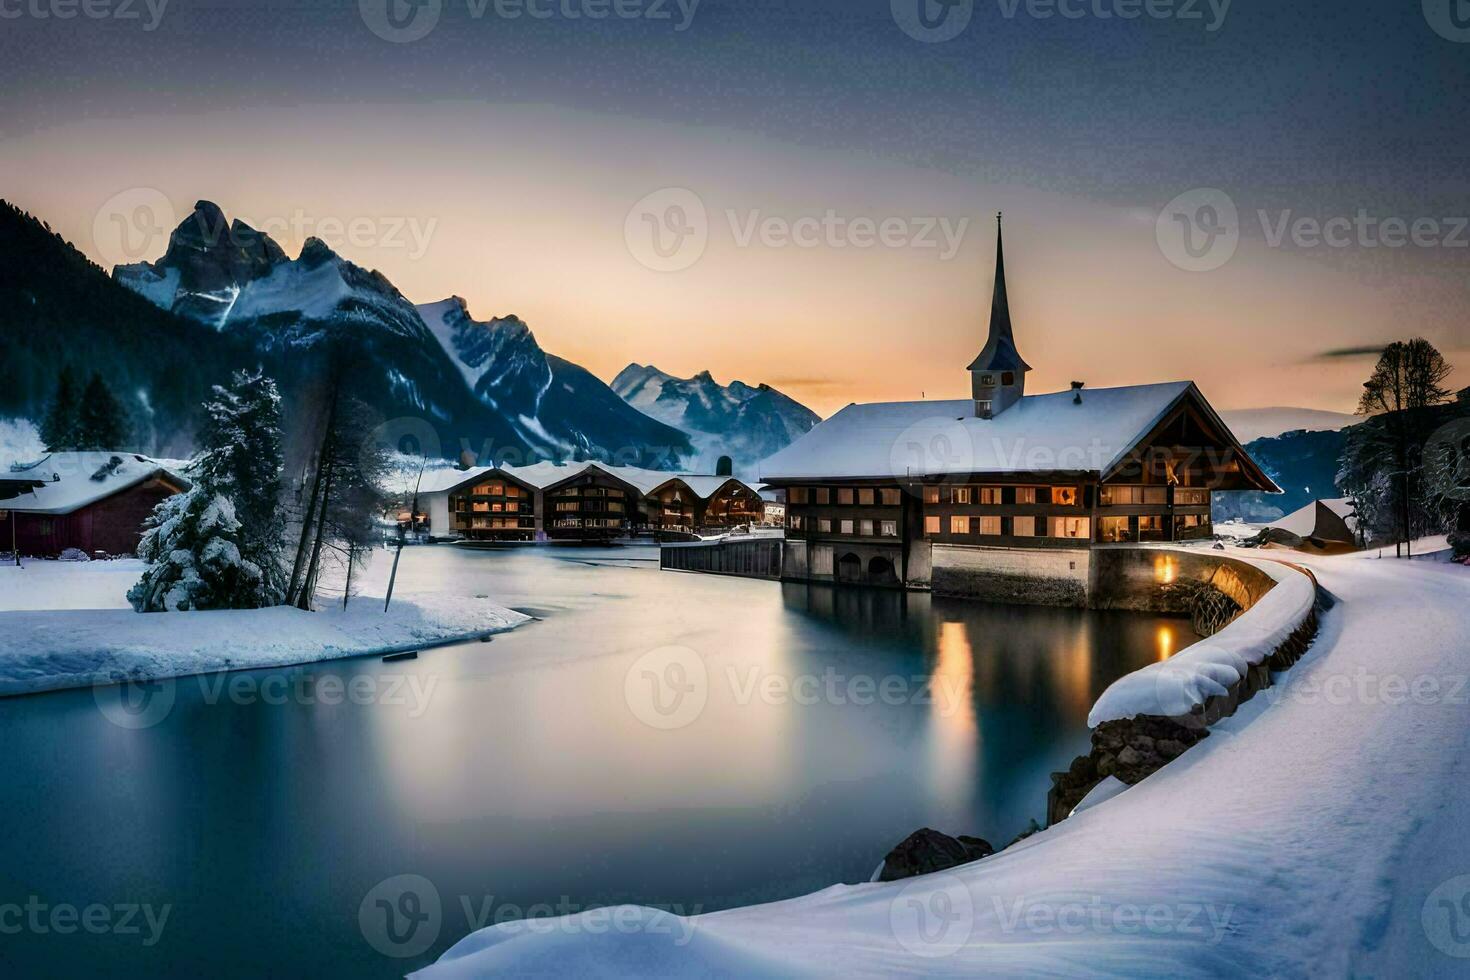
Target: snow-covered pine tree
x=243 y=460
x=101 y=423
x=59 y=427
x=192 y=544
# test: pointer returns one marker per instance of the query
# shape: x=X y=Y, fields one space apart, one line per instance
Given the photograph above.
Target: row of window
x=846 y=496
x=572 y=506
x=1025 y=526
x=496 y=490
x=591 y=492
x=491 y=507
x=495 y=524
x=575 y=522
x=1063 y=496
x=1183 y=496
x=862 y=528
x=1147 y=528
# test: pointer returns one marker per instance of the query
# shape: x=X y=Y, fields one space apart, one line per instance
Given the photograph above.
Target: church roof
x=1039 y=434
x=1000 y=353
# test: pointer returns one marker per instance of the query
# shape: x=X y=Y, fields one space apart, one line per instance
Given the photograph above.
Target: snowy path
x=66 y=624
x=1301 y=839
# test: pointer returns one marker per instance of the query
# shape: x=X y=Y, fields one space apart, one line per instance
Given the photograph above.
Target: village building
x=583 y=501
x=95 y=502
x=1005 y=494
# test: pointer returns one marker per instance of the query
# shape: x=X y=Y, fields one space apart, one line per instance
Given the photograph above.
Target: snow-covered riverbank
x=65 y=624
x=1316 y=832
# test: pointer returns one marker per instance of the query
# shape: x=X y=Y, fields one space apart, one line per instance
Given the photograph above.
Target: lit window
x=824 y=525
x=1070 y=527
x=866 y=529
x=1066 y=496
x=990 y=525
x=1023 y=527
x=962 y=495
x=1113 y=529
x=990 y=495
x=1025 y=495
x=796 y=495
x=865 y=497
x=932 y=525
x=847 y=527
x=959 y=525
x=822 y=495
x=889 y=497
x=931 y=495
x=888 y=529
x=844 y=496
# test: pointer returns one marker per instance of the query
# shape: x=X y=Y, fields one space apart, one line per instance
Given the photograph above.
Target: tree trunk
x=309 y=588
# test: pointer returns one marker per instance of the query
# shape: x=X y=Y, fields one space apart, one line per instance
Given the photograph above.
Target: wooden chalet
x=941 y=493
x=95 y=502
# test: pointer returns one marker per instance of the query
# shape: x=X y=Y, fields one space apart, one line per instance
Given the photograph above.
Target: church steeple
x=998 y=373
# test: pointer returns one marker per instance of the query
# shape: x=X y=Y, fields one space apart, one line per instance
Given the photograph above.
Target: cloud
x=1338 y=353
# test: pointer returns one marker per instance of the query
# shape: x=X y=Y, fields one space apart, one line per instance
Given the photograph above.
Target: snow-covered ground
x=1318 y=832
x=68 y=624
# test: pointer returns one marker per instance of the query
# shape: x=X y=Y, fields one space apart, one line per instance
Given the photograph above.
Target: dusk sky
x=518 y=160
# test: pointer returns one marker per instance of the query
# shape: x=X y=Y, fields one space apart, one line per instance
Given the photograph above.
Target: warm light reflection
x=955 y=738
x=1071 y=673
x=1165 y=569
x=1166 y=640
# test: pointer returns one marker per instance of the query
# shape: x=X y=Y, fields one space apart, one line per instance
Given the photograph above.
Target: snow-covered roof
x=548 y=474
x=74 y=480
x=1039 y=433
x=1303 y=522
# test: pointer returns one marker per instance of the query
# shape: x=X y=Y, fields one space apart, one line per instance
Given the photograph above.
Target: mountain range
x=737 y=420
x=224 y=295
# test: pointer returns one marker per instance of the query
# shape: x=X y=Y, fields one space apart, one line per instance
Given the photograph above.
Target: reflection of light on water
x=1071 y=674
x=1165 y=569
x=954 y=732
x=1164 y=636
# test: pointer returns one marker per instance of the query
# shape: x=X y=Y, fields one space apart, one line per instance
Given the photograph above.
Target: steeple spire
x=998 y=373
x=999 y=353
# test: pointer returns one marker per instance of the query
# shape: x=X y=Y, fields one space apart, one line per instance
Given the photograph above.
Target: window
x=1156 y=495
x=959 y=525
x=480 y=507
x=888 y=529
x=847 y=527
x=1025 y=495
x=1070 y=527
x=1115 y=496
x=865 y=497
x=990 y=495
x=1067 y=497
x=1191 y=497
x=932 y=525
x=866 y=529
x=990 y=525
x=1150 y=528
x=512 y=491
x=1023 y=527
x=931 y=495
x=1113 y=529
x=1008 y=377
x=844 y=496
x=824 y=525
x=794 y=522
x=890 y=497
x=962 y=495
x=983 y=405
x=822 y=495
x=987 y=379
x=796 y=495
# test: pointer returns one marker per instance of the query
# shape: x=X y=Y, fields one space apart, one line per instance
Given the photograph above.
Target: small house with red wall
x=93 y=501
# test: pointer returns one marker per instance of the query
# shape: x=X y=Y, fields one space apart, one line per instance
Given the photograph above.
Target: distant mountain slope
x=1250 y=424
x=1303 y=464
x=57 y=308
x=744 y=422
x=554 y=404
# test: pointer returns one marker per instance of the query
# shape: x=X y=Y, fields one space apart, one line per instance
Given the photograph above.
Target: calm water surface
x=264 y=806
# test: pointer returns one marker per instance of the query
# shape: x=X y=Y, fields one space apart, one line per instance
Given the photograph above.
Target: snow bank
x=52 y=648
x=1212 y=666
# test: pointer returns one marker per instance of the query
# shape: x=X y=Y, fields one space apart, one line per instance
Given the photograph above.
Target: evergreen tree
x=192 y=544
x=244 y=461
x=100 y=419
x=59 y=428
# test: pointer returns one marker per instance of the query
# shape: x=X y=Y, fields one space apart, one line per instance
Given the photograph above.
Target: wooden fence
x=753 y=558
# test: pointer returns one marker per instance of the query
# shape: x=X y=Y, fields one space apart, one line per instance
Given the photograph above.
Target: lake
x=677 y=740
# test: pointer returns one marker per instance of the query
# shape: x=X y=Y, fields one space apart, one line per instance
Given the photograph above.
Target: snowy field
x=68 y=624
x=1318 y=832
